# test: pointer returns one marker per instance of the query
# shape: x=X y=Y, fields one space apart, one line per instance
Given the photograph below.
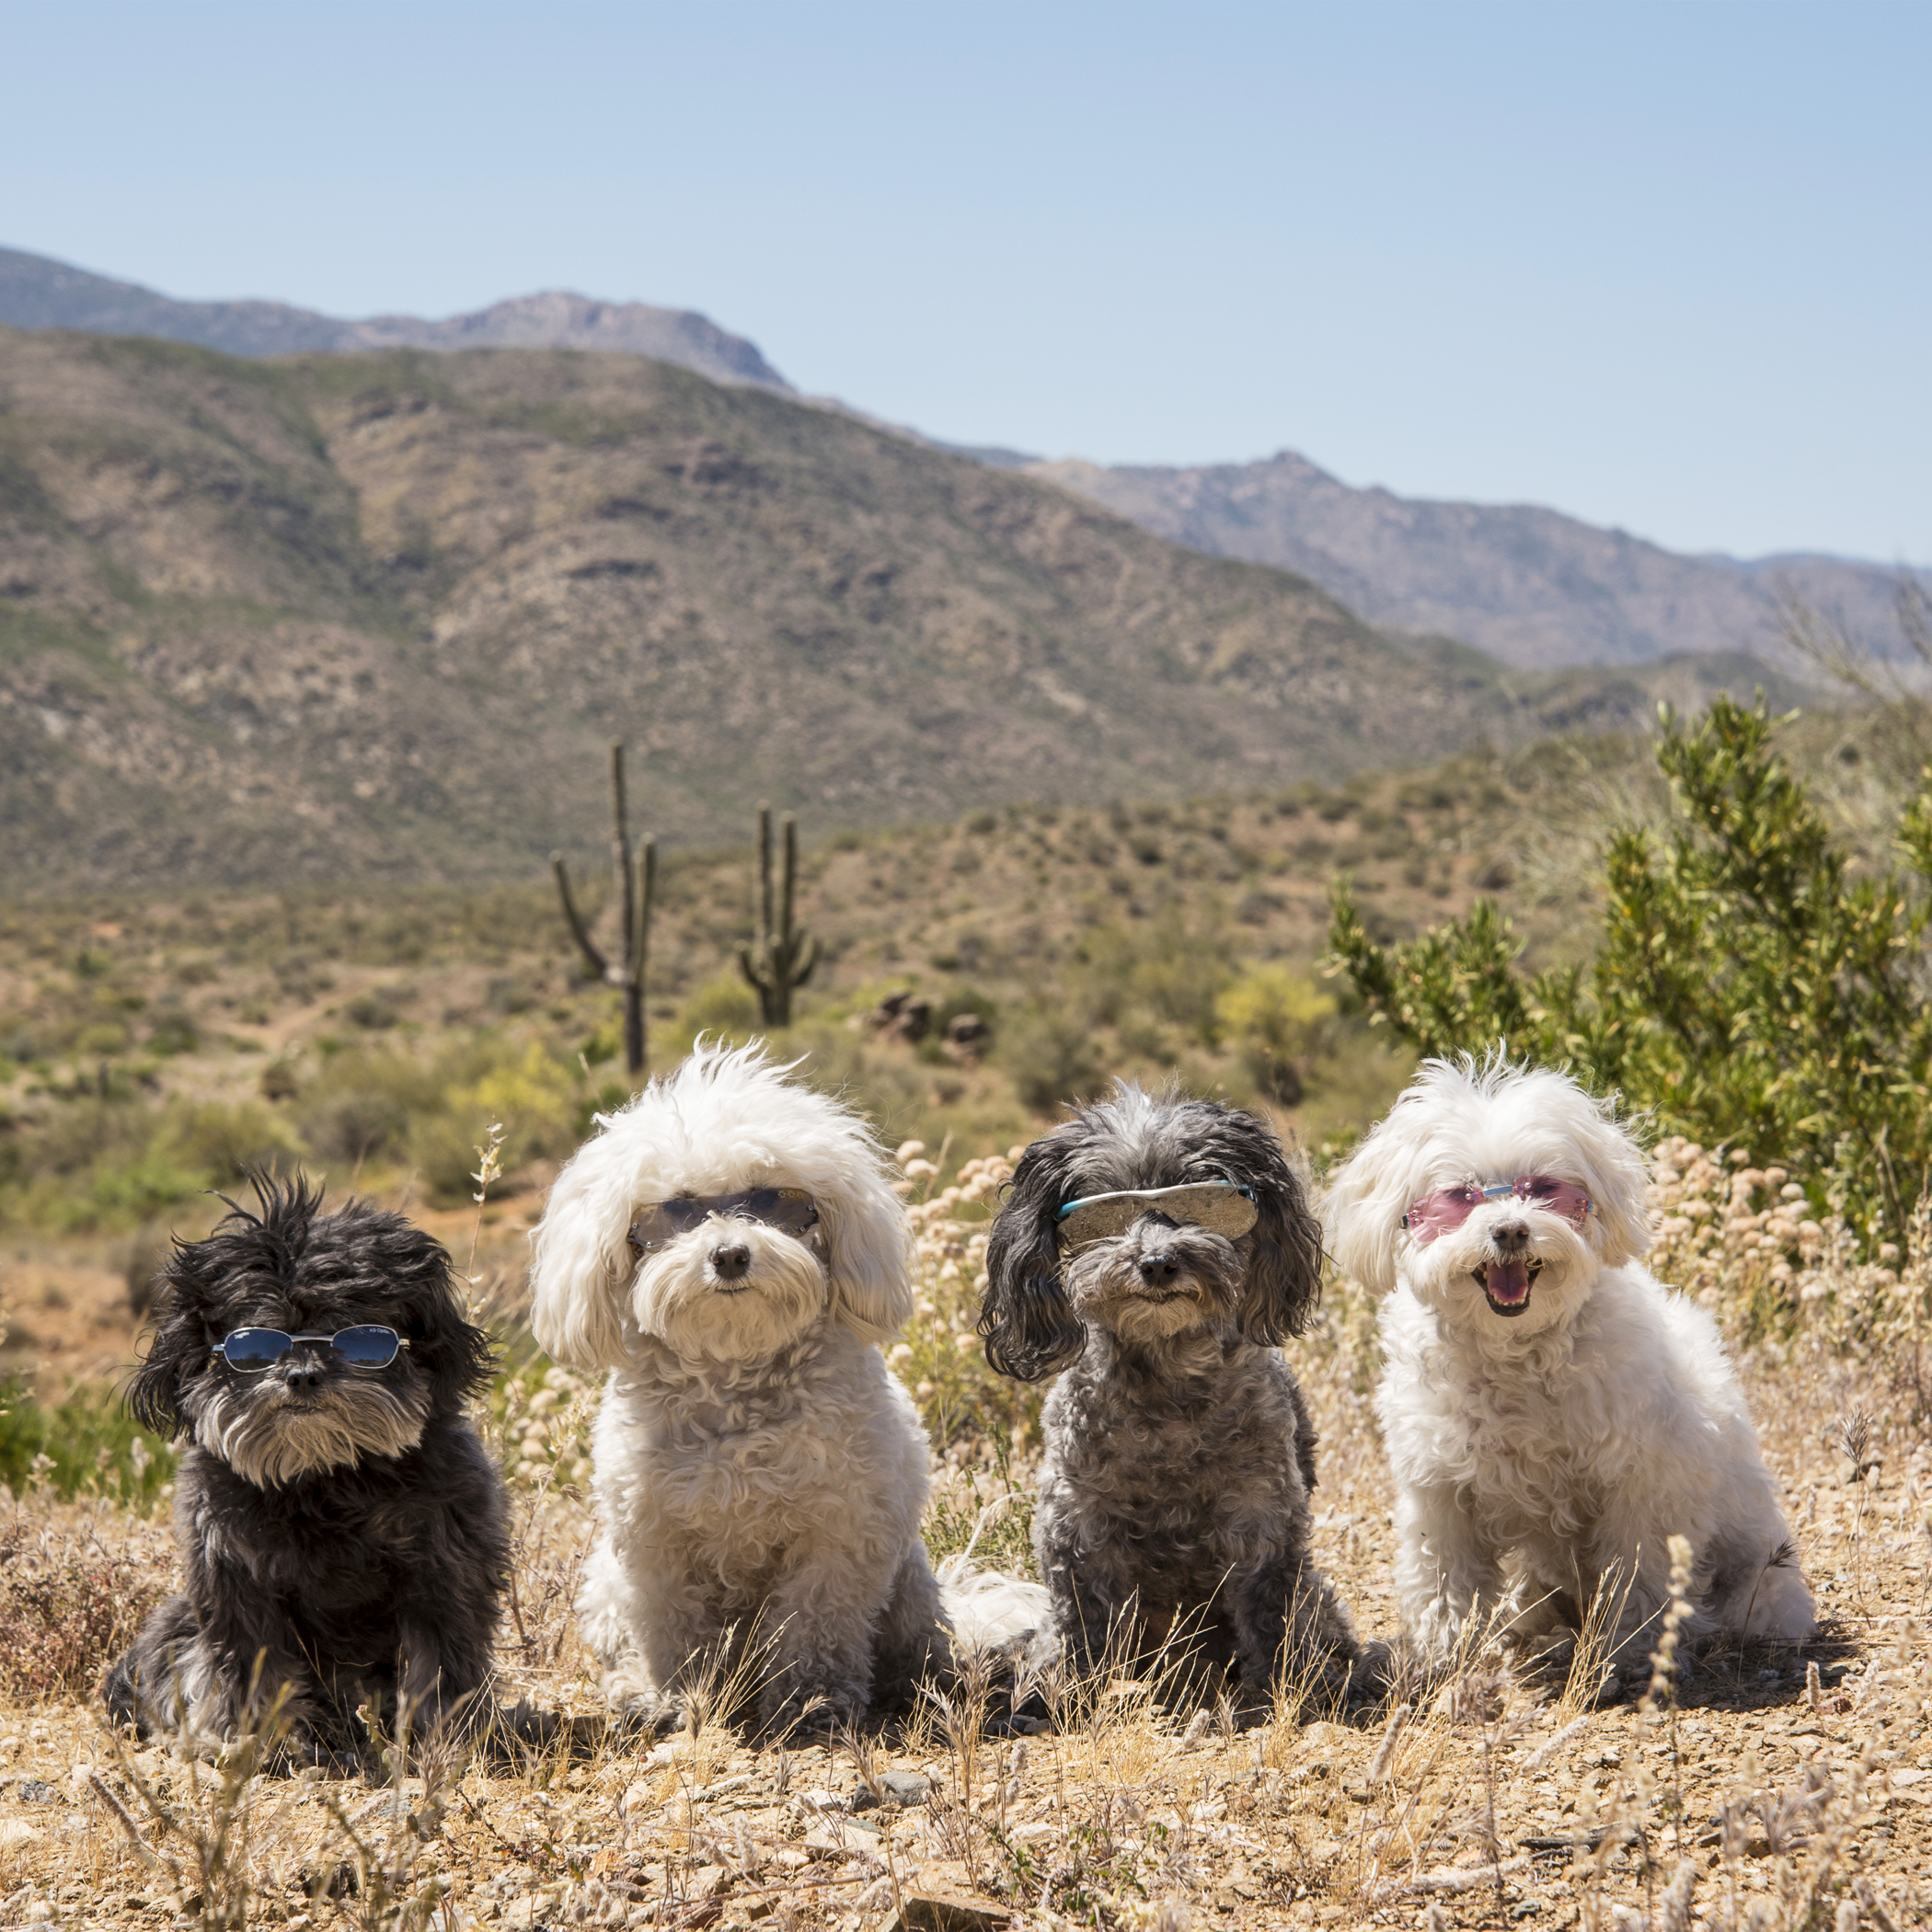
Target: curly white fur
x=1541 y=1452
x=759 y=1473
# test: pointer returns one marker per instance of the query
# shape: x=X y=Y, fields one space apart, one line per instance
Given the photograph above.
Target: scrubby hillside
x=376 y=615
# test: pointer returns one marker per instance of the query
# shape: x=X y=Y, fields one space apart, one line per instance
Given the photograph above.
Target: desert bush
x=84 y=1444
x=1748 y=987
x=1275 y=1019
x=225 y=1143
x=534 y=1095
x=1170 y=971
x=724 y=1006
x=67 y=1608
x=1051 y=1056
x=117 y=1162
x=376 y=1009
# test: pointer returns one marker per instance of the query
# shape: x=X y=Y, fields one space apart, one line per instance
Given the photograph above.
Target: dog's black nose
x=305 y=1375
x=730 y=1261
x=1159 y=1269
x=1509 y=1236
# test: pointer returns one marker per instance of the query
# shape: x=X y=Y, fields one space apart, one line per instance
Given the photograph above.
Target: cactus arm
x=764 y=875
x=620 y=865
x=579 y=930
x=646 y=876
x=791 y=867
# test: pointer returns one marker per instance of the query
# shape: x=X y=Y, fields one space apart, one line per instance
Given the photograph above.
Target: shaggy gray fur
x=1173 y=1492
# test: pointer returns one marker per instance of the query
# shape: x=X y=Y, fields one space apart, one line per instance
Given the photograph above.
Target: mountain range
x=1529 y=586
x=329 y=616
x=38 y=292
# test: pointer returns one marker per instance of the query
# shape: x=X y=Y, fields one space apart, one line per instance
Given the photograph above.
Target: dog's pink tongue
x=1507 y=1282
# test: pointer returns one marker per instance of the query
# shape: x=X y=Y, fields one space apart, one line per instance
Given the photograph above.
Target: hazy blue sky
x=1662 y=266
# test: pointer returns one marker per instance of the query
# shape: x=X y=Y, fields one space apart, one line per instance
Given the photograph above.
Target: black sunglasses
x=252 y=1349
x=789 y=1210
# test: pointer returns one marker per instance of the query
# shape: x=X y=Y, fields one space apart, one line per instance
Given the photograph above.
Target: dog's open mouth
x=1507 y=1284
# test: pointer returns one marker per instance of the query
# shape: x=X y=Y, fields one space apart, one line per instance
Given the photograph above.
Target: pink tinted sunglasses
x=1448 y=1208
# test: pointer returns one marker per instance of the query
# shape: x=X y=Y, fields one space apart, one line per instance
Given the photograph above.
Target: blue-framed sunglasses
x=250 y=1351
x=1222 y=1206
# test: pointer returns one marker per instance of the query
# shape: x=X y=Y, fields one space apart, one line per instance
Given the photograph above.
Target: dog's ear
x=1284 y=1284
x=1367 y=1198
x=868 y=1250
x=1029 y=1328
x=450 y=1354
x=182 y=1343
x=1619 y=1178
x=581 y=1260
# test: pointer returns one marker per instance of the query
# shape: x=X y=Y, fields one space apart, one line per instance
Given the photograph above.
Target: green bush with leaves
x=1276 y=1018
x=1749 y=986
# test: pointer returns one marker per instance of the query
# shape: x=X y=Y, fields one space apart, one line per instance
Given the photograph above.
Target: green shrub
x=1051 y=1056
x=225 y=1143
x=82 y=1445
x=173 y=1031
x=534 y=1096
x=1275 y=1019
x=725 y=1008
x=1748 y=987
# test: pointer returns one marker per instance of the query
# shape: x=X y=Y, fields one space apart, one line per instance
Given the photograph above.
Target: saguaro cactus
x=784 y=956
x=636 y=880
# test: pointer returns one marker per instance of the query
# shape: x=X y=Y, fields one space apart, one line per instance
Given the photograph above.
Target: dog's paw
x=650 y=1719
x=301 y=1750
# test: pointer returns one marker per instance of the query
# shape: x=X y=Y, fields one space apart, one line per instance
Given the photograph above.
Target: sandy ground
x=1784 y=1779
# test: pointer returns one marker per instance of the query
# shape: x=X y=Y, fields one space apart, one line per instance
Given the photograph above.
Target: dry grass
x=1750 y=1789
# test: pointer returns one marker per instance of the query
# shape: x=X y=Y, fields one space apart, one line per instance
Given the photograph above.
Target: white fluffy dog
x=1553 y=1414
x=729 y=1248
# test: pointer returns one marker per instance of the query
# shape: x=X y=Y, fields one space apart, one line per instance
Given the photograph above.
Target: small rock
x=947 y=1912
x=36 y=1790
x=895 y=1787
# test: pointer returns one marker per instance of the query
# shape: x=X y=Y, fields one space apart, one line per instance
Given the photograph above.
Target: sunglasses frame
x=722 y=1207
x=1492 y=1190
x=1154 y=1196
x=294 y=1341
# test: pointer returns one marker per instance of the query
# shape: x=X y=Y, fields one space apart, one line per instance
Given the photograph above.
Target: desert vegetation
x=406 y=1046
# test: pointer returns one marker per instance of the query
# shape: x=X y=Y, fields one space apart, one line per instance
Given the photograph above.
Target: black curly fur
x=348 y=1531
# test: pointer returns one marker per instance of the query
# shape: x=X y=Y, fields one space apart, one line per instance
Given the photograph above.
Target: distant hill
x=1530 y=586
x=377 y=615
x=37 y=292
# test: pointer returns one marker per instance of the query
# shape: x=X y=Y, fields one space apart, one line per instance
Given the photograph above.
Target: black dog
x=1155 y=1248
x=342 y=1527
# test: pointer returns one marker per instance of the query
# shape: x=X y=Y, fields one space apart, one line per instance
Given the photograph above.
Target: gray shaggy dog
x=1173 y=1514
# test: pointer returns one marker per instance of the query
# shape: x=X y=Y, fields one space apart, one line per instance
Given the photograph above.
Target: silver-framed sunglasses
x=250 y=1351
x=1224 y=1207
x=790 y=1209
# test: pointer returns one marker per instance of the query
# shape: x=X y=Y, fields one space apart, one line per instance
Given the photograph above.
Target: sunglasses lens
x=250 y=1349
x=1223 y=1209
x=1441 y=1212
x=665 y=1221
x=367 y=1348
x=1097 y=1221
x=790 y=1209
x=1559 y=1197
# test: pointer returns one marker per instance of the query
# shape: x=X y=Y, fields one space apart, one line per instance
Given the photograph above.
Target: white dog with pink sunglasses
x=1554 y=1415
